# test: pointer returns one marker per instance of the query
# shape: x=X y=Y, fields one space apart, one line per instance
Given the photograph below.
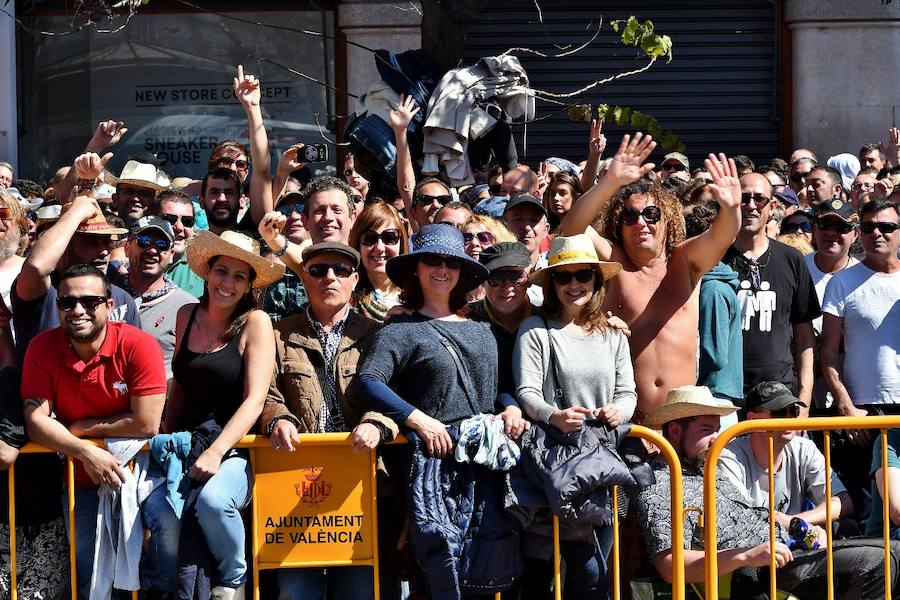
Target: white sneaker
x=221 y=592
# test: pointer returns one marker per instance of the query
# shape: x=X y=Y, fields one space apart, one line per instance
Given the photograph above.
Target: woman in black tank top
x=225 y=349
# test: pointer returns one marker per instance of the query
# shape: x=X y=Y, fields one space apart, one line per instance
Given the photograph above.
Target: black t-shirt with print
x=775 y=292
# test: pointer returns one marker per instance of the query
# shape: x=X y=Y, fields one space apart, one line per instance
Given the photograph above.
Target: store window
x=168 y=76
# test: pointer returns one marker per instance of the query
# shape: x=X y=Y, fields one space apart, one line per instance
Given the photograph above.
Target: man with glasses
x=675 y=164
x=526 y=217
x=176 y=209
x=327 y=340
x=864 y=183
x=799 y=465
x=286 y=296
x=431 y=194
x=778 y=299
x=94 y=378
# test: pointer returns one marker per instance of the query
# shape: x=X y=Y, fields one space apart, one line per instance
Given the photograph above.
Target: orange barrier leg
x=13 y=577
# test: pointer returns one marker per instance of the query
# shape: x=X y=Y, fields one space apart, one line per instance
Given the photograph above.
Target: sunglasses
x=145 y=241
x=651 y=214
x=565 y=277
x=792 y=410
x=320 y=270
x=495 y=189
x=863 y=185
x=388 y=236
x=498 y=278
x=804 y=226
x=89 y=303
x=485 y=238
x=882 y=226
x=424 y=200
x=287 y=209
x=228 y=161
x=436 y=260
x=674 y=167
x=799 y=177
x=173 y=219
x=835 y=225
x=760 y=200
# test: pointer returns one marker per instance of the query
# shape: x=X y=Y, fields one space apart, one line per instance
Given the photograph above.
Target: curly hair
x=324 y=184
x=661 y=197
x=19 y=217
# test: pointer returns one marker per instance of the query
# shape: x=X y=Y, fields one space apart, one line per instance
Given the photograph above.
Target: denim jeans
x=158 y=561
x=219 y=508
x=585 y=571
x=339 y=583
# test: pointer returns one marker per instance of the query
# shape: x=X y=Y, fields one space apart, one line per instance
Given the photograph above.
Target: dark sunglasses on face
x=173 y=219
x=792 y=410
x=145 y=241
x=883 y=226
x=498 y=278
x=565 y=277
x=674 y=166
x=424 y=200
x=388 y=236
x=799 y=177
x=287 y=209
x=835 y=225
x=90 y=303
x=651 y=214
x=320 y=270
x=227 y=161
x=760 y=200
x=803 y=226
x=436 y=260
x=485 y=238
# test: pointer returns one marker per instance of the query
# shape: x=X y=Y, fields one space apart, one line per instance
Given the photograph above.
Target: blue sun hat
x=445 y=240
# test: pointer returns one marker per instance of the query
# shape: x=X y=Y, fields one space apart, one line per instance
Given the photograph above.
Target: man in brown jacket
x=313 y=390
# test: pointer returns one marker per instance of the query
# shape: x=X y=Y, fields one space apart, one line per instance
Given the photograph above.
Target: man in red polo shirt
x=101 y=379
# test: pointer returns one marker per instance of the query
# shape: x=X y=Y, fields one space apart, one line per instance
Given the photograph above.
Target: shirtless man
x=656 y=292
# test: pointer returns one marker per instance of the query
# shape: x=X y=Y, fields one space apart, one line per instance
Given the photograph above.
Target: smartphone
x=316 y=153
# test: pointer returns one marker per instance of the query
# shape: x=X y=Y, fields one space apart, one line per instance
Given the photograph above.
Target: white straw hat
x=205 y=245
x=139 y=174
x=574 y=250
x=687 y=401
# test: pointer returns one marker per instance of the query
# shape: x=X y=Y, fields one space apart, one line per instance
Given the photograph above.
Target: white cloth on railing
x=120 y=530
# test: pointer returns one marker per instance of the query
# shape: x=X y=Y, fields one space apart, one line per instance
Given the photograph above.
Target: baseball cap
x=786 y=194
x=520 y=199
x=153 y=222
x=334 y=247
x=505 y=254
x=678 y=157
x=838 y=208
x=771 y=396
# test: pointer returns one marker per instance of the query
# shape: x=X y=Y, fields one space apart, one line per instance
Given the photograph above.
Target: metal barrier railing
x=317 y=440
x=770 y=426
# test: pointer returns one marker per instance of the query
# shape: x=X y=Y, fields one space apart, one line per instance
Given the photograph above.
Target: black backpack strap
x=554 y=368
x=460 y=369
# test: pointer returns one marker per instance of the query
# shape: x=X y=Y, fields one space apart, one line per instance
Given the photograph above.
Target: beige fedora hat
x=688 y=401
x=574 y=250
x=139 y=174
x=205 y=245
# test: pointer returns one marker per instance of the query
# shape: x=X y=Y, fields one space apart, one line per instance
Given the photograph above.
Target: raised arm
x=595 y=152
x=247 y=91
x=708 y=248
x=626 y=167
x=290 y=162
x=400 y=118
x=108 y=133
x=270 y=227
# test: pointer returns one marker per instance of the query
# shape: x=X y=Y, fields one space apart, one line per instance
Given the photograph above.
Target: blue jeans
x=219 y=508
x=339 y=583
x=158 y=561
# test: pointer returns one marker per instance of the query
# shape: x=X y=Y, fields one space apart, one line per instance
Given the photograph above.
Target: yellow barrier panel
x=824 y=424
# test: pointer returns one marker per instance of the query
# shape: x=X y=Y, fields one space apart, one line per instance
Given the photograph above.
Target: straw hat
x=574 y=250
x=205 y=245
x=687 y=401
x=139 y=174
x=96 y=225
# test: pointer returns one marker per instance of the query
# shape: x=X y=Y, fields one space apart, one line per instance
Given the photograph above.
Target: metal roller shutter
x=718 y=94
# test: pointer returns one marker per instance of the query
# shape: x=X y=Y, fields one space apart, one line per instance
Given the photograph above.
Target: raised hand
x=726 y=185
x=543 y=179
x=402 y=116
x=90 y=165
x=627 y=165
x=108 y=133
x=891 y=150
x=246 y=88
x=290 y=160
x=271 y=225
x=597 y=144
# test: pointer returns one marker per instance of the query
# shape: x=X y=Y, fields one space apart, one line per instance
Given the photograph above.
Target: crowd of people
x=513 y=329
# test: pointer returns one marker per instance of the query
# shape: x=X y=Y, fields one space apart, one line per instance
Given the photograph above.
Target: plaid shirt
x=331 y=418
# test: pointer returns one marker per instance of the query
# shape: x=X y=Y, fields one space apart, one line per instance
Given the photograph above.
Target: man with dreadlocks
x=656 y=292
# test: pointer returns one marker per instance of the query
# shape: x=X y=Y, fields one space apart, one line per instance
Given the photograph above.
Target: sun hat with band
x=443 y=240
x=96 y=225
x=205 y=245
x=574 y=250
x=687 y=401
x=139 y=174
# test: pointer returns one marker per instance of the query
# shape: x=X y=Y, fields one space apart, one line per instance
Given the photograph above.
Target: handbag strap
x=460 y=369
x=554 y=367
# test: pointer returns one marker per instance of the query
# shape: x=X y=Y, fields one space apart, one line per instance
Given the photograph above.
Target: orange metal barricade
x=826 y=425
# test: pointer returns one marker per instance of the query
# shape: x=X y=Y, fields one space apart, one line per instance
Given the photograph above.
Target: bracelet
x=284 y=250
x=86 y=185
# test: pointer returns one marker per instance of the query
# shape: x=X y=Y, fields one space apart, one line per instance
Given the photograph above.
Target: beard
x=694 y=464
x=86 y=336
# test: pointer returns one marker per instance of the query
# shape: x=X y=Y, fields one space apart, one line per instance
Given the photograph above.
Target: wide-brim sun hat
x=138 y=174
x=687 y=401
x=204 y=245
x=574 y=250
x=445 y=240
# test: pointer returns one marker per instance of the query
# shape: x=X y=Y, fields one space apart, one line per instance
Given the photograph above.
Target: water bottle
x=803 y=535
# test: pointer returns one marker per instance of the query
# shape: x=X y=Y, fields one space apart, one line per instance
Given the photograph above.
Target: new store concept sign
x=314 y=505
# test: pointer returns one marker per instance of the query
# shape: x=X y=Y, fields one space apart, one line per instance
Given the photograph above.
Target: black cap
x=333 y=247
x=505 y=254
x=838 y=208
x=771 y=396
x=518 y=199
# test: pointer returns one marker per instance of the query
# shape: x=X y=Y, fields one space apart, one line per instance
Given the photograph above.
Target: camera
x=315 y=153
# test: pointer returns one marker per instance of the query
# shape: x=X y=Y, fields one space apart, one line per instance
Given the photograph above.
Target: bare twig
x=560 y=55
x=412 y=6
x=303 y=75
x=591 y=86
x=324 y=137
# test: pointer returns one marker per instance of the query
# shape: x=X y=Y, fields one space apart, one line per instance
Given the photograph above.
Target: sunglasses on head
x=436 y=260
x=228 y=161
x=884 y=227
x=287 y=209
x=485 y=238
x=89 y=303
x=804 y=226
x=792 y=410
x=498 y=278
x=388 y=236
x=186 y=220
x=145 y=241
x=760 y=200
x=424 y=200
x=565 y=277
x=836 y=225
x=651 y=214
x=320 y=270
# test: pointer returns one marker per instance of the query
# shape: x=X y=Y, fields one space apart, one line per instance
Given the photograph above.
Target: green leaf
x=630 y=35
x=580 y=112
x=615 y=26
x=603 y=112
